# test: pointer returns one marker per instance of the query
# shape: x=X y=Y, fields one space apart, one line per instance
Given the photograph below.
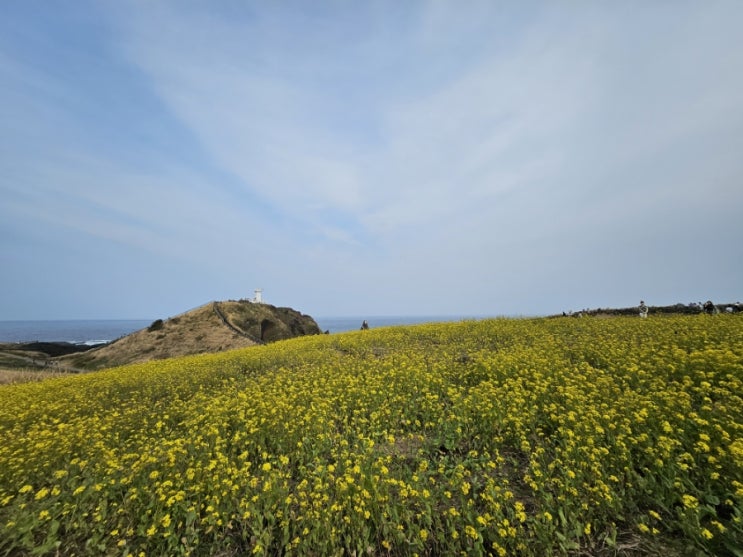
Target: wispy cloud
x=507 y=155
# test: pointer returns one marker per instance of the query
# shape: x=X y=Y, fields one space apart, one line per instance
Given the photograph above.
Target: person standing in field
x=643 y=309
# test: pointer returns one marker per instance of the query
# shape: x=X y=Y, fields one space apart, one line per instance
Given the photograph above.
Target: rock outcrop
x=264 y=322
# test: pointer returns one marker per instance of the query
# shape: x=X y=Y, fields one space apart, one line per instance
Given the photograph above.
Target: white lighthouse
x=258 y=296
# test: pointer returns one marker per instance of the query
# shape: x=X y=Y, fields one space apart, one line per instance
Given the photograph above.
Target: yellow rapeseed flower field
x=495 y=437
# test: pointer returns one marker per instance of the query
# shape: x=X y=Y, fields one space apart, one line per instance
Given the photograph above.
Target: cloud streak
x=494 y=159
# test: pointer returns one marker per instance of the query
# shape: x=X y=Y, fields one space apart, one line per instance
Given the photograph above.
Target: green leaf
x=735 y=550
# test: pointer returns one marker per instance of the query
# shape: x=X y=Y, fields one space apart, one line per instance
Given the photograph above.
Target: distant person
x=364 y=325
x=643 y=309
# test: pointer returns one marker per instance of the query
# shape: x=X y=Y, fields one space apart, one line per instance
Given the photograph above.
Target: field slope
x=507 y=437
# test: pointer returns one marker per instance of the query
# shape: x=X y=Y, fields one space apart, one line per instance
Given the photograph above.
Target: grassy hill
x=558 y=436
x=213 y=327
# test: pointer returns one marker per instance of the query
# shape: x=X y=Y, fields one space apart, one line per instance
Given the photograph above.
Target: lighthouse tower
x=258 y=296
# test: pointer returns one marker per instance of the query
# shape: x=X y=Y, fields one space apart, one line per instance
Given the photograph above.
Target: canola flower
x=528 y=437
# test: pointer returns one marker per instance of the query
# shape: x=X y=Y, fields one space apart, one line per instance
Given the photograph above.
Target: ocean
x=76 y=331
x=98 y=331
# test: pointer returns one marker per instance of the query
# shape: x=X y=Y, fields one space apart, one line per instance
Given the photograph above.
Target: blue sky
x=368 y=158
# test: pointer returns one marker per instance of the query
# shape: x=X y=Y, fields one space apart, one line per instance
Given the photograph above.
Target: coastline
x=92 y=332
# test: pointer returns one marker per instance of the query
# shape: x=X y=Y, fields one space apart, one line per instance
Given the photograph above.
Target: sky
x=368 y=158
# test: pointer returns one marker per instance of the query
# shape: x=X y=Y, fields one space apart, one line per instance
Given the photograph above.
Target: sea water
x=76 y=331
x=99 y=331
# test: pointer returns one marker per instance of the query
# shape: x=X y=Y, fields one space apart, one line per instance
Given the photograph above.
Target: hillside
x=532 y=437
x=213 y=327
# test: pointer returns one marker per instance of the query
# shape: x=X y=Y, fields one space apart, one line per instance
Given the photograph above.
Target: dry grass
x=12 y=358
x=14 y=376
x=196 y=332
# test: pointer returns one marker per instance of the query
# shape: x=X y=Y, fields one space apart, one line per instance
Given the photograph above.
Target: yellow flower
x=423 y=534
x=520 y=513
